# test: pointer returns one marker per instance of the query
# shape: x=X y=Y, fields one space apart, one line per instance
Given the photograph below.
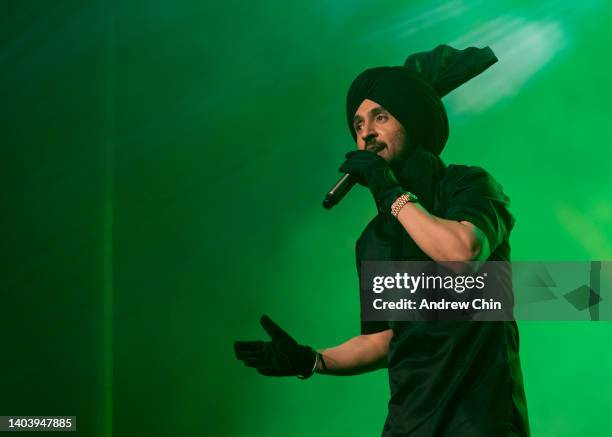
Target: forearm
x=442 y=239
x=360 y=354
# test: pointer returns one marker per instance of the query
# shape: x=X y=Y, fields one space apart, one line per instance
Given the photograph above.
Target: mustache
x=377 y=145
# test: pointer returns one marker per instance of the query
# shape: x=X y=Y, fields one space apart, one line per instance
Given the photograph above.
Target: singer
x=447 y=378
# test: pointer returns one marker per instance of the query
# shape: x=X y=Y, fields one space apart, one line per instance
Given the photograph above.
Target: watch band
x=402 y=200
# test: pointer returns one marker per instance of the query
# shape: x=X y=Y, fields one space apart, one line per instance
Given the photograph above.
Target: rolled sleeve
x=471 y=194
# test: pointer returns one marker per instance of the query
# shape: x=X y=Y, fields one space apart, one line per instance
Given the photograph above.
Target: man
x=448 y=378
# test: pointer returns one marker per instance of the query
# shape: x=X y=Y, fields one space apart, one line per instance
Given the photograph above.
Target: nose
x=368 y=133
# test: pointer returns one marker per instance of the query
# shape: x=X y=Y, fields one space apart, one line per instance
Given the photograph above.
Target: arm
x=283 y=356
x=441 y=239
x=360 y=354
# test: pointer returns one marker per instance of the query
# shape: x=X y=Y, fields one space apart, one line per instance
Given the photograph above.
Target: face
x=377 y=130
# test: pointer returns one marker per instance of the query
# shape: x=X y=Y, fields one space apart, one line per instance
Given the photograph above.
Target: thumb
x=273 y=330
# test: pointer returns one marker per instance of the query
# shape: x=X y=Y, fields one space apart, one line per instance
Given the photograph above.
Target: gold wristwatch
x=401 y=201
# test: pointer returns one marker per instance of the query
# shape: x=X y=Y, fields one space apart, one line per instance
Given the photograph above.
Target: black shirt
x=450 y=378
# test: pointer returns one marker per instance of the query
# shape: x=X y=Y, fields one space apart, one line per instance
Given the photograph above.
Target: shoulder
x=471 y=193
x=462 y=174
x=471 y=179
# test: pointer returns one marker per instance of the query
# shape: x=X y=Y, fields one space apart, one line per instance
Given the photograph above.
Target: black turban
x=413 y=93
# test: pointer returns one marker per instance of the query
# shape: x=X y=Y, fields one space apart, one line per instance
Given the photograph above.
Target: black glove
x=282 y=356
x=373 y=172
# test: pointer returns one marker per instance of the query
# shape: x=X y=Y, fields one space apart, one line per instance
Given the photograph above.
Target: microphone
x=339 y=190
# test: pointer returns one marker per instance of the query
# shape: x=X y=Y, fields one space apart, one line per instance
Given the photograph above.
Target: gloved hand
x=282 y=356
x=373 y=172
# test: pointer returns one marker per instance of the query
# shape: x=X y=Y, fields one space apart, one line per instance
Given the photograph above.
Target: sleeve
x=471 y=194
x=374 y=327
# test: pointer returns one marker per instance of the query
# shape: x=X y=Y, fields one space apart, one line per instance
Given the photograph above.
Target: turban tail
x=413 y=93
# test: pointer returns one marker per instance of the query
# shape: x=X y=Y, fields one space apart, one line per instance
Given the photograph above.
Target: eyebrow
x=374 y=111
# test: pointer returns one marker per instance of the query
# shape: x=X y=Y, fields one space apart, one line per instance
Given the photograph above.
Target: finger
x=242 y=355
x=366 y=154
x=358 y=163
x=273 y=330
x=352 y=153
x=354 y=164
x=343 y=168
x=246 y=347
x=256 y=362
x=266 y=371
x=354 y=170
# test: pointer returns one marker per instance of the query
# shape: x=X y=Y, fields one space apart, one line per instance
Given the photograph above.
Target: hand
x=373 y=172
x=282 y=356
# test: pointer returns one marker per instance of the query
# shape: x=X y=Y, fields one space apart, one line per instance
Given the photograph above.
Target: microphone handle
x=338 y=191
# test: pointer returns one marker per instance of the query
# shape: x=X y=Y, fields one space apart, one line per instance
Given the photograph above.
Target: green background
x=163 y=170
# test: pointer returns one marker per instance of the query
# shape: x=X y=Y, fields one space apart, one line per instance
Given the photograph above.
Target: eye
x=358 y=126
x=381 y=117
